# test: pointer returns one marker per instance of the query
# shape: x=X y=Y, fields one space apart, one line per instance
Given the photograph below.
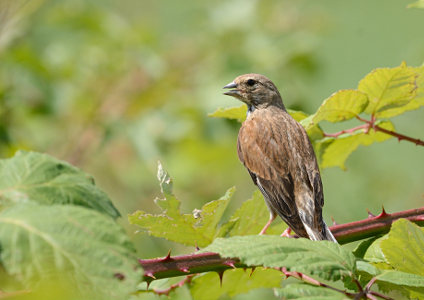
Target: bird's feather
x=280 y=159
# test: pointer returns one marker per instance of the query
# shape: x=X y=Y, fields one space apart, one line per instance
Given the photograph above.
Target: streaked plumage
x=277 y=152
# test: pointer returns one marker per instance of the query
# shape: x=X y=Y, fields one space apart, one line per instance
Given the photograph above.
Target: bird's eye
x=251 y=82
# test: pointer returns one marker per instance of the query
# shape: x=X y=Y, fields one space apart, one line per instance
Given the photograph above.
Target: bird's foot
x=286 y=233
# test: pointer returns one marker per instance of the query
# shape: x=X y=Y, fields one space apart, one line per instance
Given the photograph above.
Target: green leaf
x=389 y=280
x=234 y=113
x=297 y=114
x=250 y=218
x=415 y=102
x=363 y=246
x=307 y=292
x=389 y=88
x=342 y=105
x=374 y=253
x=404 y=247
x=196 y=229
x=40 y=178
x=43 y=242
x=315 y=132
x=333 y=152
x=234 y=282
x=325 y=259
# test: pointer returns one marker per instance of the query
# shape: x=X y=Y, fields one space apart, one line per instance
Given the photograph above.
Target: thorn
x=150 y=274
x=251 y=272
x=383 y=214
x=148 y=284
x=230 y=264
x=185 y=270
x=196 y=247
x=244 y=269
x=167 y=257
x=221 y=275
x=370 y=214
x=334 y=221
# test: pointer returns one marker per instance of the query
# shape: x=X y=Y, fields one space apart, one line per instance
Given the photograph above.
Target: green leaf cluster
x=392 y=269
x=203 y=225
x=58 y=228
x=382 y=94
x=397 y=260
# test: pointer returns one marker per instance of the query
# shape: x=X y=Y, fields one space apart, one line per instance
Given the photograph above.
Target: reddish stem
x=350 y=131
x=371 y=124
x=166 y=292
x=205 y=262
x=374 y=225
x=315 y=282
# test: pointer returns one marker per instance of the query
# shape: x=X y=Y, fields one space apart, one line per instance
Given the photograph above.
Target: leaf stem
x=315 y=282
x=350 y=131
x=372 y=124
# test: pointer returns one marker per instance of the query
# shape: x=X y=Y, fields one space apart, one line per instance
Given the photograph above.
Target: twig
x=186 y=280
x=372 y=124
x=315 y=282
x=399 y=136
x=350 y=131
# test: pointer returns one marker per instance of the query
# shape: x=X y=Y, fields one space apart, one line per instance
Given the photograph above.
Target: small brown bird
x=277 y=152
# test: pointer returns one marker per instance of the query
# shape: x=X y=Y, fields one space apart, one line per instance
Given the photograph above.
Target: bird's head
x=255 y=90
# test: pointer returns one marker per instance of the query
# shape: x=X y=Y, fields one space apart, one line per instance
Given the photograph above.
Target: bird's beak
x=234 y=91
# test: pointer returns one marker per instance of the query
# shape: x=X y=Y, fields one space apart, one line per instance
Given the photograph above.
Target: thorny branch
x=372 y=124
x=171 y=266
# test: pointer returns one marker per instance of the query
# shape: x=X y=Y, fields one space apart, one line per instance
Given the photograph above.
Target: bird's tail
x=324 y=234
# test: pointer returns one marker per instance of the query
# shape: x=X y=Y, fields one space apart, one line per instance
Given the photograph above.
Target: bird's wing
x=276 y=151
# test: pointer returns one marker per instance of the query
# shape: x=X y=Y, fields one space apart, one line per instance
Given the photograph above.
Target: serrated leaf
x=196 y=229
x=234 y=282
x=325 y=259
x=307 y=292
x=404 y=247
x=42 y=242
x=389 y=280
x=374 y=253
x=415 y=103
x=341 y=106
x=234 y=113
x=363 y=246
x=250 y=218
x=388 y=88
x=333 y=152
x=42 y=179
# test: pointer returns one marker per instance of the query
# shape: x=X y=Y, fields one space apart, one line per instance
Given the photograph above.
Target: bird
x=277 y=153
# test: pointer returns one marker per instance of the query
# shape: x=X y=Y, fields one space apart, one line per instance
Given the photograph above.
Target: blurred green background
x=114 y=86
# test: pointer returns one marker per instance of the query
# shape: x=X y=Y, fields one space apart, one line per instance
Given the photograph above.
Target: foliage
x=299 y=258
x=41 y=239
x=55 y=224
x=111 y=87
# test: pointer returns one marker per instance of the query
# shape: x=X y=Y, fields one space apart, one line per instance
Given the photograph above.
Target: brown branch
x=205 y=262
x=399 y=136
